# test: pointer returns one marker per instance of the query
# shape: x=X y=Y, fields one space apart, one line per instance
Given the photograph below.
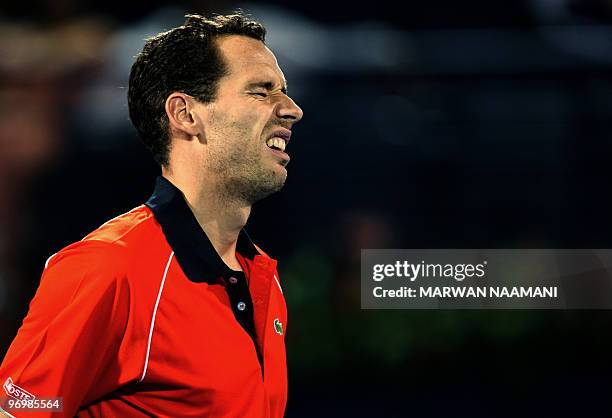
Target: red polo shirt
x=143 y=318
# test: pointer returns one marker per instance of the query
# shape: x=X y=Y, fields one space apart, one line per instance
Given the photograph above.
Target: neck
x=220 y=216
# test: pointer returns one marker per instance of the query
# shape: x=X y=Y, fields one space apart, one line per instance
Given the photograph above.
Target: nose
x=289 y=110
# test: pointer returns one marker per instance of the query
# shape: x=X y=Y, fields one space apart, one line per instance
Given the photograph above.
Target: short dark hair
x=184 y=59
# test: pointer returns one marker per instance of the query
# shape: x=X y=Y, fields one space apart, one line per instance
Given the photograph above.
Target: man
x=170 y=310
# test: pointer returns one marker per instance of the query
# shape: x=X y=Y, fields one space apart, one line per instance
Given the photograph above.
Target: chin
x=281 y=173
x=278 y=181
x=262 y=189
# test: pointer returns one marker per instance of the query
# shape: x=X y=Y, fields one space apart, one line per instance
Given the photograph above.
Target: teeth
x=277 y=143
x=281 y=144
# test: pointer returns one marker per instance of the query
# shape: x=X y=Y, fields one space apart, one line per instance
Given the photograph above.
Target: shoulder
x=94 y=268
x=111 y=242
x=125 y=228
x=106 y=252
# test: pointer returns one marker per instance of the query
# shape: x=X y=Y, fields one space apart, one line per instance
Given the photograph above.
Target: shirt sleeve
x=68 y=344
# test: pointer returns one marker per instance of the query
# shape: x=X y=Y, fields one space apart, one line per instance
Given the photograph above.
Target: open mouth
x=276 y=143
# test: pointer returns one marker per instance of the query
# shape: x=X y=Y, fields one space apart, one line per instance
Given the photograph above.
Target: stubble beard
x=243 y=176
x=240 y=166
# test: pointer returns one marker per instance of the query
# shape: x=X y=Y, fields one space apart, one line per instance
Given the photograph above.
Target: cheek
x=248 y=127
x=239 y=124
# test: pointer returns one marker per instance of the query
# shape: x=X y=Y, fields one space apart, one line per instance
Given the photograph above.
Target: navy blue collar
x=192 y=248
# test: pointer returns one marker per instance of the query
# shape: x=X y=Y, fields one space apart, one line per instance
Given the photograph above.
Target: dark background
x=436 y=124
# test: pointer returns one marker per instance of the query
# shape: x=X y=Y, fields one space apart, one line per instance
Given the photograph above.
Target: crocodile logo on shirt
x=278 y=326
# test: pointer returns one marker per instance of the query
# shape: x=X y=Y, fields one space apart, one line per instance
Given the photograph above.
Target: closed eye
x=260 y=94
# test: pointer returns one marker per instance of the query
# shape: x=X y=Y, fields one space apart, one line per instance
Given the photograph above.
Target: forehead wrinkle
x=267 y=74
x=260 y=63
x=242 y=52
x=265 y=81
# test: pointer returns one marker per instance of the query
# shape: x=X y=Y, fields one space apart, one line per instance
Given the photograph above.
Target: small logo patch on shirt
x=15 y=391
x=278 y=326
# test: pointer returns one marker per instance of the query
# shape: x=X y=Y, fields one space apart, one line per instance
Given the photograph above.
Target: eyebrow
x=268 y=85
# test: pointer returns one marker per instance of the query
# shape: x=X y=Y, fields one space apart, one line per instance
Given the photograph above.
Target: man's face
x=246 y=128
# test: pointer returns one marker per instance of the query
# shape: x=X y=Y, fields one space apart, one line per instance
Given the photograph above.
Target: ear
x=180 y=111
